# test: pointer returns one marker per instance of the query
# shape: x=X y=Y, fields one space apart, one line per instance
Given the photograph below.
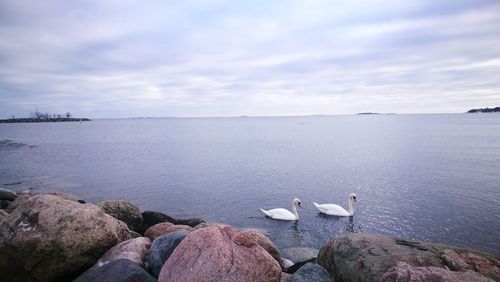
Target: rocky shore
x=60 y=237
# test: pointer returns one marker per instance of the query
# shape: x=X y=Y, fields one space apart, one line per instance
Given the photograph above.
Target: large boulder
x=133 y=249
x=163 y=228
x=161 y=249
x=122 y=270
x=310 y=272
x=124 y=211
x=364 y=257
x=6 y=194
x=264 y=242
x=220 y=253
x=48 y=238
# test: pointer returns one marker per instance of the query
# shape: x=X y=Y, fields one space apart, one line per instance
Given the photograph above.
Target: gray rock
x=310 y=272
x=122 y=270
x=161 y=249
x=364 y=257
x=299 y=254
x=124 y=211
x=6 y=194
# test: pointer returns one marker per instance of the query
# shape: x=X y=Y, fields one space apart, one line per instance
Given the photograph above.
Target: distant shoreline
x=31 y=120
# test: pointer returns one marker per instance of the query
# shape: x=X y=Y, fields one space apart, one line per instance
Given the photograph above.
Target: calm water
x=426 y=177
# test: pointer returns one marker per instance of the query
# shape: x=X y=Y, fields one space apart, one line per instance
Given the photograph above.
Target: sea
x=428 y=177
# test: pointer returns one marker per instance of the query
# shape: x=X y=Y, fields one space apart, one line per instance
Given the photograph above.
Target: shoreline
x=35 y=120
x=158 y=246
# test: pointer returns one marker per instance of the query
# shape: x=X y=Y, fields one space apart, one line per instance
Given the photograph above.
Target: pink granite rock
x=405 y=272
x=163 y=228
x=220 y=253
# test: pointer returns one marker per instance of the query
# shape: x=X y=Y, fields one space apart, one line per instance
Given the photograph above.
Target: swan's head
x=353 y=197
x=296 y=202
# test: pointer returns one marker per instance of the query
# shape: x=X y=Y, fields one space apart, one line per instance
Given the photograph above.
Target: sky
x=112 y=59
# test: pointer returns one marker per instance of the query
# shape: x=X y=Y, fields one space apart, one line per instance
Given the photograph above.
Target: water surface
x=425 y=177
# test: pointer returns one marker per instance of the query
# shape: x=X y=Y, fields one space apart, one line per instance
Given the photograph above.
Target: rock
x=310 y=272
x=163 y=228
x=69 y=197
x=191 y=222
x=4 y=204
x=404 y=272
x=364 y=257
x=48 y=238
x=134 y=234
x=299 y=254
x=161 y=249
x=204 y=225
x=3 y=214
x=264 y=242
x=286 y=263
x=220 y=253
x=284 y=276
x=122 y=270
x=151 y=218
x=134 y=249
x=6 y=194
x=124 y=211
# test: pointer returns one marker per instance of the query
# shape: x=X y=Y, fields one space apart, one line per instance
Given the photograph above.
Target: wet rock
x=122 y=270
x=6 y=194
x=163 y=228
x=161 y=249
x=191 y=222
x=48 y=238
x=124 y=211
x=151 y=218
x=133 y=249
x=364 y=257
x=220 y=253
x=298 y=254
x=310 y=272
x=264 y=242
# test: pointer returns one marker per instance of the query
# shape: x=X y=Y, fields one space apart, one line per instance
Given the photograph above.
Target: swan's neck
x=294 y=210
x=351 y=210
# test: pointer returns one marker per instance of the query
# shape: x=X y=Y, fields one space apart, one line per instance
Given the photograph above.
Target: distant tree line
x=485 y=110
x=46 y=116
x=38 y=116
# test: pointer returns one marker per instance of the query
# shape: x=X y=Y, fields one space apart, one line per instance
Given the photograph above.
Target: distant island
x=485 y=110
x=44 y=117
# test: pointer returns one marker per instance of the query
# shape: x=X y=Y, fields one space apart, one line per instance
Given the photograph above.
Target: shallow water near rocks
x=432 y=178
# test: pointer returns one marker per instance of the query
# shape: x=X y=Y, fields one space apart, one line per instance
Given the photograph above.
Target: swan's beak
x=300 y=205
x=355 y=200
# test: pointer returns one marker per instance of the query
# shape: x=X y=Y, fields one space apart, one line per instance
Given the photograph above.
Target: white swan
x=284 y=214
x=333 y=209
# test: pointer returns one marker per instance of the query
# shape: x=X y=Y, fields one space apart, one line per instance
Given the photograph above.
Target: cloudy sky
x=229 y=58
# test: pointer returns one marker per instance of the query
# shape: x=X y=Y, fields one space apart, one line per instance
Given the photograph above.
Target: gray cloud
x=223 y=58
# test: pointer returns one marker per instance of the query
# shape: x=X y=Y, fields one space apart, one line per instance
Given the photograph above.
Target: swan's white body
x=284 y=214
x=333 y=209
